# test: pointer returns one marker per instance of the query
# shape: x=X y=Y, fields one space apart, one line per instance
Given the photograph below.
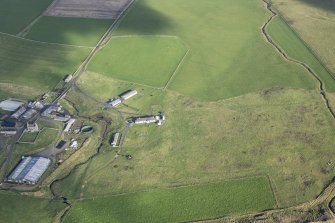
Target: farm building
x=32 y=127
x=115 y=102
x=36 y=105
x=10 y=105
x=8 y=131
x=128 y=94
x=158 y=119
x=18 y=113
x=29 y=114
x=48 y=112
x=69 y=125
x=62 y=117
x=8 y=123
x=115 y=140
x=61 y=144
x=29 y=170
x=68 y=78
x=145 y=120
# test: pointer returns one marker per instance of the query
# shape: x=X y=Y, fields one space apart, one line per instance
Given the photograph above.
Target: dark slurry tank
x=87 y=129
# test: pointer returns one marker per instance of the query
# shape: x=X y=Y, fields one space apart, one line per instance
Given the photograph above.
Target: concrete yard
x=98 y=9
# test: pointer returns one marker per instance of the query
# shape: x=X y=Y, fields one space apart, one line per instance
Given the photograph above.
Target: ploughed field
x=100 y=9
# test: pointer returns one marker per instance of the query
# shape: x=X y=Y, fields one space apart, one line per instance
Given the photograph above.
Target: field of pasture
x=148 y=60
x=15 y=15
x=227 y=50
x=177 y=204
x=35 y=65
x=287 y=39
x=313 y=20
x=18 y=208
x=246 y=130
x=73 y=31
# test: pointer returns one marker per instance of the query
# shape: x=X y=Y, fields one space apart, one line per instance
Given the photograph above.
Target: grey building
x=128 y=94
x=115 y=140
x=10 y=105
x=115 y=102
x=18 y=113
x=29 y=170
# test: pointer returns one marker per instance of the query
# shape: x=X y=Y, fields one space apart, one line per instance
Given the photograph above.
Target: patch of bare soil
x=98 y=9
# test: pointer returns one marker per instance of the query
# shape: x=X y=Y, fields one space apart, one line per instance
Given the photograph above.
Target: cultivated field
x=225 y=46
x=177 y=204
x=74 y=31
x=147 y=60
x=15 y=15
x=36 y=65
x=99 y=9
x=314 y=21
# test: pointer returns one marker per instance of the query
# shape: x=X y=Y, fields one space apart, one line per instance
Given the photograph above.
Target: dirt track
x=99 y=9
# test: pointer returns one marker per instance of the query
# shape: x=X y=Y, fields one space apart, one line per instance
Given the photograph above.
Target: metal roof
x=128 y=94
x=10 y=105
x=29 y=170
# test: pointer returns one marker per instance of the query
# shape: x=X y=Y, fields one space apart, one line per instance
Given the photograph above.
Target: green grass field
x=296 y=49
x=29 y=137
x=34 y=65
x=314 y=22
x=216 y=140
x=15 y=15
x=147 y=60
x=225 y=46
x=177 y=204
x=18 y=208
x=74 y=31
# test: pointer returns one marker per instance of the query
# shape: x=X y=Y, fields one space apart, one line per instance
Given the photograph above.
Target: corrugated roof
x=10 y=105
x=30 y=169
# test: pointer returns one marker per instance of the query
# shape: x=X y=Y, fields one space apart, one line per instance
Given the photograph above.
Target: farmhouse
x=10 y=105
x=128 y=94
x=18 y=113
x=32 y=127
x=115 y=140
x=29 y=170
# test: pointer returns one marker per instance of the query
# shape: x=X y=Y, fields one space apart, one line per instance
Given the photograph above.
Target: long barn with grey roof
x=29 y=170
